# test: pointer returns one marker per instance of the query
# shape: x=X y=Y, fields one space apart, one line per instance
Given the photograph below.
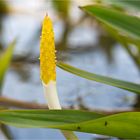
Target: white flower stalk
x=48 y=69
x=51 y=95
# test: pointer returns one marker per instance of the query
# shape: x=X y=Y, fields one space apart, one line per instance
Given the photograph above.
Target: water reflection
x=80 y=42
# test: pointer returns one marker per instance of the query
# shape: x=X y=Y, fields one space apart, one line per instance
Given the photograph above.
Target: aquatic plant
x=125 y=28
x=48 y=69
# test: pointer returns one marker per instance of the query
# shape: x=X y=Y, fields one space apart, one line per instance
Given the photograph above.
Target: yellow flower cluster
x=47 y=52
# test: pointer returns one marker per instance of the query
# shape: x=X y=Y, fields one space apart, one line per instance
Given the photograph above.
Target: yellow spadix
x=47 y=52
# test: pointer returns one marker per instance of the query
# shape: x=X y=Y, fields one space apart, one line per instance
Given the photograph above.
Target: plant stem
x=69 y=135
x=6 y=132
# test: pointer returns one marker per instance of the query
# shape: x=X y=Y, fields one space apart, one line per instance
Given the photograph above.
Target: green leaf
x=4 y=7
x=102 y=79
x=45 y=118
x=62 y=7
x=126 y=24
x=125 y=42
x=5 y=60
x=123 y=125
x=134 y=4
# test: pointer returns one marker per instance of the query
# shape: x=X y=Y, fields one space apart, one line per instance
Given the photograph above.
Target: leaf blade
x=102 y=79
x=116 y=19
x=5 y=60
x=133 y=4
x=112 y=125
x=50 y=116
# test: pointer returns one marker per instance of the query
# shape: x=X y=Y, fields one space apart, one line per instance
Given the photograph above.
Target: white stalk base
x=51 y=96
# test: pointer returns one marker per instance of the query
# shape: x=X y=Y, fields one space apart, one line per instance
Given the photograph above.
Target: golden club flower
x=47 y=52
x=48 y=69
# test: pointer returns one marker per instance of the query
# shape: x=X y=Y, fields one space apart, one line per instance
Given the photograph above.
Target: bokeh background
x=80 y=41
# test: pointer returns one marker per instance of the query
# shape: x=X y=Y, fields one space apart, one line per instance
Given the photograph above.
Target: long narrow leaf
x=102 y=79
x=126 y=24
x=5 y=60
x=123 y=125
x=45 y=118
x=134 y=4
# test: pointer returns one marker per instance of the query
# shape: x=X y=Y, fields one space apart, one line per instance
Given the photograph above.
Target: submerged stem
x=69 y=135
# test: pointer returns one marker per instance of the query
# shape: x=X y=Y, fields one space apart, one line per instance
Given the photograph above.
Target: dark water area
x=85 y=48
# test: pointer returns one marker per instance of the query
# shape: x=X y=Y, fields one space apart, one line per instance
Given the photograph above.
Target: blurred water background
x=81 y=42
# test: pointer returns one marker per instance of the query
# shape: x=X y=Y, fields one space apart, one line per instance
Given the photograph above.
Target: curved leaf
x=123 y=125
x=134 y=4
x=5 y=59
x=102 y=79
x=45 y=118
x=124 y=23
